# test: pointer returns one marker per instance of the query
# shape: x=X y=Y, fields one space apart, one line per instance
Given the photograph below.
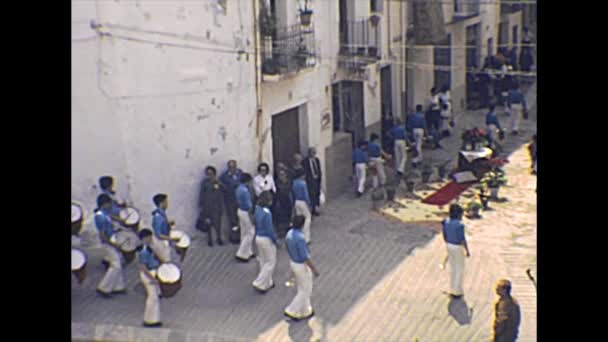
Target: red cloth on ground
x=448 y=193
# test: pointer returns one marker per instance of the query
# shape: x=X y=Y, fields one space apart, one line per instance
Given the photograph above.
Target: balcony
x=360 y=42
x=510 y=8
x=288 y=51
x=464 y=9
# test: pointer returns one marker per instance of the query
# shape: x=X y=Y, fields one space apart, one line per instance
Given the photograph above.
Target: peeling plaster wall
x=173 y=109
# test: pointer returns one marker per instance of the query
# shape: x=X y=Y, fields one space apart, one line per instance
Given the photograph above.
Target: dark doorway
x=386 y=104
x=348 y=109
x=285 y=136
x=472 y=62
x=503 y=36
x=442 y=58
x=343 y=21
x=516 y=36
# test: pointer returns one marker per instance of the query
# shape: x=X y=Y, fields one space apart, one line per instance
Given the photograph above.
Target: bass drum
x=170 y=279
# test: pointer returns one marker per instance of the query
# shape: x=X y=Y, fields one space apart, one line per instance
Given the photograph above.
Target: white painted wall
x=174 y=109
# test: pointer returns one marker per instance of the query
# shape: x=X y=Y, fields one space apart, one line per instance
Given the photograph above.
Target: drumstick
x=531 y=277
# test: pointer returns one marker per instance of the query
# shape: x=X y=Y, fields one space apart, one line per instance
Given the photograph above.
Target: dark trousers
x=231 y=207
x=434 y=124
x=314 y=191
x=216 y=224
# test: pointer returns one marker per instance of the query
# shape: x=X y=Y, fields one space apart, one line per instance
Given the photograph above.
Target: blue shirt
x=374 y=150
x=453 y=231
x=516 y=97
x=243 y=197
x=492 y=119
x=115 y=208
x=415 y=121
x=360 y=156
x=263 y=223
x=297 y=248
x=231 y=182
x=148 y=258
x=300 y=191
x=104 y=223
x=160 y=223
x=398 y=132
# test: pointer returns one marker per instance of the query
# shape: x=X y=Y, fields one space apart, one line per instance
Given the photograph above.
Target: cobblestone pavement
x=380 y=278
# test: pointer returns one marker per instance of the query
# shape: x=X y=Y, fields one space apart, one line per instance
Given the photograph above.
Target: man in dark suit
x=312 y=167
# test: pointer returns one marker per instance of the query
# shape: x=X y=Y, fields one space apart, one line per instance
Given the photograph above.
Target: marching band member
x=302 y=203
x=149 y=263
x=301 y=265
x=244 y=200
x=266 y=241
x=162 y=226
x=360 y=160
x=113 y=281
x=106 y=184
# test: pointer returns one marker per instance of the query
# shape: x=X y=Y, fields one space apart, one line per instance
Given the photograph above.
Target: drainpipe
x=258 y=80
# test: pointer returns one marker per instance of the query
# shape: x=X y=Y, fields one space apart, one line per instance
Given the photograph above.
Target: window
x=490 y=46
x=515 y=35
x=375 y=6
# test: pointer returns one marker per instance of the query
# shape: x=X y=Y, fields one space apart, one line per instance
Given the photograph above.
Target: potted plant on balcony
x=305 y=15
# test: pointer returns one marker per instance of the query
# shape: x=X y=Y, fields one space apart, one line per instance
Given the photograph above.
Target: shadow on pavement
x=460 y=311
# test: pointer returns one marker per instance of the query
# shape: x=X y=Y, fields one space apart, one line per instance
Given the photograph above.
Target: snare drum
x=130 y=217
x=127 y=242
x=169 y=278
x=181 y=247
x=76 y=218
x=79 y=264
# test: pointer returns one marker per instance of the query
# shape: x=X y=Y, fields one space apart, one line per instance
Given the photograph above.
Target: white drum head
x=176 y=234
x=168 y=273
x=78 y=259
x=129 y=215
x=76 y=212
x=127 y=240
x=184 y=242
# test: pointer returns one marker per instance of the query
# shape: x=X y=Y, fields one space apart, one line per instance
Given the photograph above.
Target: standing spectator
x=433 y=117
x=266 y=242
x=375 y=154
x=417 y=124
x=399 y=134
x=445 y=102
x=245 y=212
x=532 y=148
x=360 y=160
x=312 y=167
x=526 y=60
x=303 y=269
x=517 y=104
x=264 y=181
x=507 y=314
x=453 y=235
x=284 y=202
x=302 y=203
x=493 y=126
x=296 y=165
x=210 y=204
x=231 y=180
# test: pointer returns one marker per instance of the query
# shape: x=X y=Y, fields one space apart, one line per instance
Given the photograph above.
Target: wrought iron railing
x=291 y=50
x=361 y=38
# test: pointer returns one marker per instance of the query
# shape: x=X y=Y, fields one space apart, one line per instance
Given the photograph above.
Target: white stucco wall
x=173 y=109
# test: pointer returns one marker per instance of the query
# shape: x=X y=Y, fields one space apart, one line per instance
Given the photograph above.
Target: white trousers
x=268 y=260
x=418 y=136
x=360 y=174
x=300 y=306
x=152 y=309
x=247 y=234
x=400 y=155
x=301 y=208
x=114 y=279
x=456 y=261
x=492 y=132
x=378 y=163
x=516 y=113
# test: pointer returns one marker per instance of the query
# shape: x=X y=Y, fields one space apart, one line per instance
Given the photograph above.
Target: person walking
x=303 y=268
x=148 y=265
x=517 y=105
x=445 y=102
x=244 y=200
x=376 y=154
x=312 y=167
x=210 y=203
x=302 y=202
x=360 y=160
x=266 y=242
x=231 y=180
x=416 y=123
x=493 y=126
x=433 y=117
x=507 y=315
x=399 y=135
x=456 y=243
